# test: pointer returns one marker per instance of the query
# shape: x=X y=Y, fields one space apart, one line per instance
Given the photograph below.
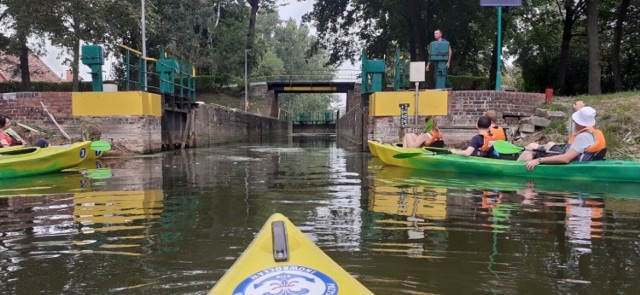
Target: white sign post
x=416 y=74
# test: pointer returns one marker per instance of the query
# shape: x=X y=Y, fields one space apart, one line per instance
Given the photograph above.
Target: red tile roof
x=40 y=72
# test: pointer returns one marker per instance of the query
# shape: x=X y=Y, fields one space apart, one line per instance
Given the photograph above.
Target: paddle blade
x=505 y=147
x=100 y=145
x=407 y=155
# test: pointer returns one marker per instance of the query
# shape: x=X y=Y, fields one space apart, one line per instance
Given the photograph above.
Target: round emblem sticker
x=287 y=280
x=83 y=153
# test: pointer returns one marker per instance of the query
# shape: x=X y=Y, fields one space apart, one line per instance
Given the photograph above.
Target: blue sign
x=500 y=2
x=287 y=280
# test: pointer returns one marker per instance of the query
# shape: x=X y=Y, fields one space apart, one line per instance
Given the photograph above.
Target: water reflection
x=515 y=228
x=176 y=222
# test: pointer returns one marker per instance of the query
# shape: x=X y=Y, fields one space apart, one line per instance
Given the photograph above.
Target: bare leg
x=528 y=154
x=423 y=138
x=408 y=140
x=415 y=141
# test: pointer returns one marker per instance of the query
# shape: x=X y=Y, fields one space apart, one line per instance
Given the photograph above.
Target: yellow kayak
x=34 y=160
x=282 y=260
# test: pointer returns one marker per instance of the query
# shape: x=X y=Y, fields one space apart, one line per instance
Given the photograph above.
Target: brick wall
x=140 y=134
x=464 y=108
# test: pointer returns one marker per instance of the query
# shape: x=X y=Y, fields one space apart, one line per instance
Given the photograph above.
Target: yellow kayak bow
x=282 y=260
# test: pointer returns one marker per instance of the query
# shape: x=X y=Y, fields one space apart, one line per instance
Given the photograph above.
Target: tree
x=595 y=70
x=267 y=5
x=26 y=18
x=90 y=21
x=346 y=27
x=572 y=12
x=621 y=14
x=290 y=43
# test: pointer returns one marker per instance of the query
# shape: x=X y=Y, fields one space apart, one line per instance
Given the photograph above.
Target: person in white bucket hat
x=585 y=144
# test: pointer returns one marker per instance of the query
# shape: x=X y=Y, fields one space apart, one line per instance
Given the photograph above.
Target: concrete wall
x=354 y=127
x=140 y=134
x=218 y=124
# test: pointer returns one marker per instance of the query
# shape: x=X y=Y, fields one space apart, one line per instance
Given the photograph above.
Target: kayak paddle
x=100 y=145
x=507 y=148
x=429 y=151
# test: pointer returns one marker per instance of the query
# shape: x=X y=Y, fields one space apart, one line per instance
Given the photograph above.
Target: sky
x=288 y=9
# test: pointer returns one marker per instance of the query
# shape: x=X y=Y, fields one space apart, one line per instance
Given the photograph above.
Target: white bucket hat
x=585 y=116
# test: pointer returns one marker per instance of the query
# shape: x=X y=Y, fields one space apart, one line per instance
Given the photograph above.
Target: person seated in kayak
x=495 y=131
x=7 y=139
x=430 y=137
x=480 y=144
x=586 y=144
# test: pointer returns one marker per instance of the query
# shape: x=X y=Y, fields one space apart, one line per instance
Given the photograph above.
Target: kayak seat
x=599 y=155
x=438 y=144
x=508 y=156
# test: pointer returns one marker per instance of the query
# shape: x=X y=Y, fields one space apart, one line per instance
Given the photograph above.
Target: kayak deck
x=282 y=258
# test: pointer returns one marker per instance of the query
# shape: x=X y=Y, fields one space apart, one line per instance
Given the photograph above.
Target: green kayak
x=607 y=170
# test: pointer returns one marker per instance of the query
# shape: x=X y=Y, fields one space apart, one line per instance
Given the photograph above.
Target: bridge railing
x=310 y=117
x=312 y=76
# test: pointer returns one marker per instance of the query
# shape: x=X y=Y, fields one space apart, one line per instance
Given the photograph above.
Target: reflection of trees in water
x=304 y=180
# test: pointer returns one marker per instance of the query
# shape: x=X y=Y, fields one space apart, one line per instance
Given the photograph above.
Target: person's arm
x=476 y=142
x=578 y=105
x=466 y=152
x=557 y=159
x=427 y=67
x=449 y=60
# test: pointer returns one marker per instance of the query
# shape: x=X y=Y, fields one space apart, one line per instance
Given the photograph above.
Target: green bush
x=469 y=82
x=206 y=84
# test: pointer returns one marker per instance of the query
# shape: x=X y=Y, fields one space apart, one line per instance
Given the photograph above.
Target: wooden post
x=54 y=121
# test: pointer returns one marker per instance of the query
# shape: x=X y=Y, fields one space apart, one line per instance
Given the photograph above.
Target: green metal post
x=396 y=76
x=190 y=81
x=127 y=73
x=499 y=53
x=181 y=65
x=142 y=75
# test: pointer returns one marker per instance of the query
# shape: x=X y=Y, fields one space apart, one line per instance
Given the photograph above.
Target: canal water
x=172 y=223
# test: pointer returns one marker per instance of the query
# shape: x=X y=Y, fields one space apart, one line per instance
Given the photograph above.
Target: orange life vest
x=597 y=134
x=497 y=133
x=436 y=135
x=484 y=149
x=7 y=137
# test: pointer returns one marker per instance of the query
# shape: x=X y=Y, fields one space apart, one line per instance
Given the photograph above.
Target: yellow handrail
x=138 y=53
